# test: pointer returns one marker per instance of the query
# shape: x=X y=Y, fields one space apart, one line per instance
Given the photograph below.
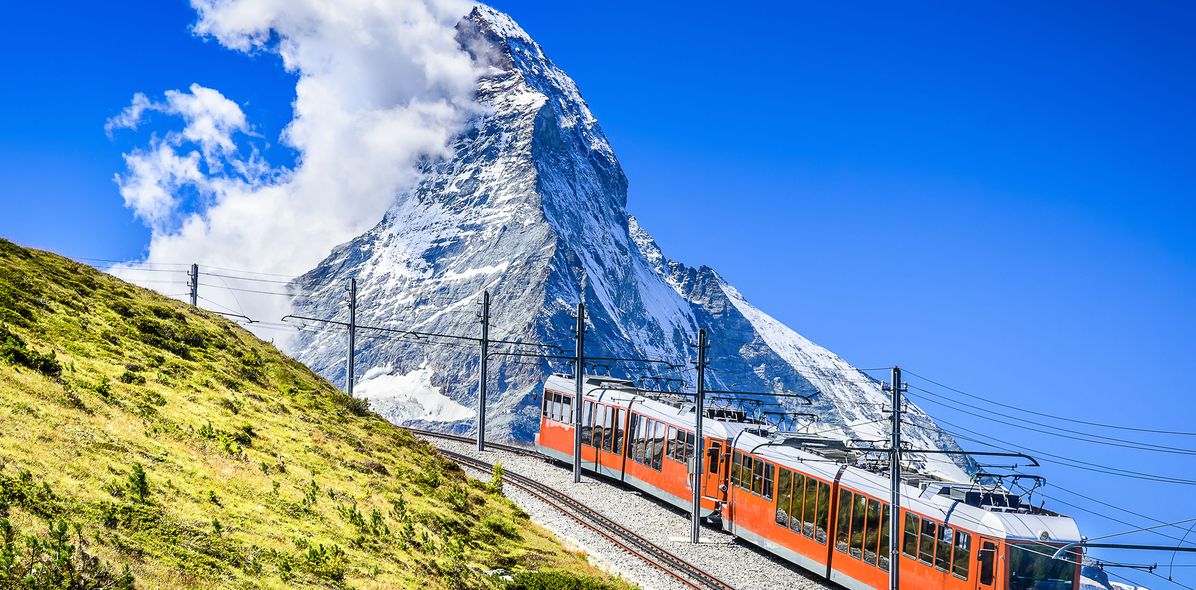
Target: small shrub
x=230 y=405
x=495 y=483
x=131 y=378
x=103 y=388
x=356 y=405
x=206 y=431
x=500 y=526
x=14 y=350
x=217 y=527
x=55 y=562
x=137 y=485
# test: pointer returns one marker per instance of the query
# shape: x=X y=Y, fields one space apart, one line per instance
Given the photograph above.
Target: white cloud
x=380 y=85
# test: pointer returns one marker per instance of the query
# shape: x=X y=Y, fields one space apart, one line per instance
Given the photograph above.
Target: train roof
x=956 y=503
x=621 y=393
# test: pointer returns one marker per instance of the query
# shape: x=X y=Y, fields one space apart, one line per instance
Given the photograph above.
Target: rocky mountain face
x=531 y=206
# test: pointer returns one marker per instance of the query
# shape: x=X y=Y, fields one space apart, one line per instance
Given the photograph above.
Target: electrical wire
x=1113 y=442
x=212 y=274
x=1053 y=416
x=1144 y=529
x=1066 y=461
x=246 y=290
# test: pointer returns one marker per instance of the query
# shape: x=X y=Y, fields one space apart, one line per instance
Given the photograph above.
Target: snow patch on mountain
x=409 y=397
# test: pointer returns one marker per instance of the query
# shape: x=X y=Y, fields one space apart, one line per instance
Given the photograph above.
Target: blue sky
x=998 y=197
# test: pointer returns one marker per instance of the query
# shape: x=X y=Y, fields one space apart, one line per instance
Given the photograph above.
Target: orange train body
x=800 y=498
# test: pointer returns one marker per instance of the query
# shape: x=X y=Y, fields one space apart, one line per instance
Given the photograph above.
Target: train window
x=745 y=472
x=631 y=429
x=658 y=449
x=599 y=419
x=587 y=413
x=689 y=448
x=872 y=538
x=757 y=476
x=672 y=438
x=566 y=409
x=798 y=502
x=858 y=524
x=986 y=560
x=811 y=505
x=641 y=441
x=942 y=555
x=556 y=407
x=648 y=426
x=619 y=431
x=883 y=560
x=736 y=463
x=544 y=404
x=608 y=434
x=784 y=495
x=768 y=472
x=909 y=541
x=843 y=525
x=823 y=513
x=962 y=557
x=926 y=544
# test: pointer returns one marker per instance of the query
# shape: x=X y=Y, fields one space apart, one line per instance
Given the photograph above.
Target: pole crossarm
x=1086 y=545
x=234 y=315
x=804 y=397
x=1033 y=461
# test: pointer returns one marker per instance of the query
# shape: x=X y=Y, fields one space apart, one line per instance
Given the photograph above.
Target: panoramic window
x=823 y=512
x=942 y=556
x=909 y=541
x=784 y=496
x=961 y=558
x=1032 y=566
x=926 y=545
x=843 y=524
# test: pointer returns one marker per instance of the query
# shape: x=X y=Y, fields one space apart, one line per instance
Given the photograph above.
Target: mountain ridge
x=530 y=206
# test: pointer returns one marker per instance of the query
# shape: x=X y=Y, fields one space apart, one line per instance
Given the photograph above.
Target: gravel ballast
x=734 y=562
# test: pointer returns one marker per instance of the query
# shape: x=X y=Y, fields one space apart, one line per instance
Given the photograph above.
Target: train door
x=986 y=565
x=713 y=464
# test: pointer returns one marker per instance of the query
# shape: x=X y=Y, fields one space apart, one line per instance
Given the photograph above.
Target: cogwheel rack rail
x=654 y=555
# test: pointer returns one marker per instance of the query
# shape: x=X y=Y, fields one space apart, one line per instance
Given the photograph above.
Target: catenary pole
x=352 y=335
x=699 y=442
x=579 y=385
x=194 y=285
x=483 y=370
x=895 y=484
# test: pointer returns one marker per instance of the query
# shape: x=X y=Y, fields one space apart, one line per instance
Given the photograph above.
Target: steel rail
x=652 y=554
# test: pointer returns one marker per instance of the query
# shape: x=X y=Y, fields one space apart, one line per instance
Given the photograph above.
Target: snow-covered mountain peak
x=530 y=206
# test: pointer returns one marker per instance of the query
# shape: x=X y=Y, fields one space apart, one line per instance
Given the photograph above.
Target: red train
x=802 y=498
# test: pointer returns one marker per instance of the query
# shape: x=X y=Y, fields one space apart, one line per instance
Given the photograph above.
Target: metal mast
x=483 y=370
x=352 y=335
x=699 y=445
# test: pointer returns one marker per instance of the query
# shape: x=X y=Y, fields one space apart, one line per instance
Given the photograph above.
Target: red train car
x=643 y=442
x=806 y=499
x=802 y=499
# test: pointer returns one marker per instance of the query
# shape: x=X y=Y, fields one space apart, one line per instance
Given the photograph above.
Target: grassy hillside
x=146 y=443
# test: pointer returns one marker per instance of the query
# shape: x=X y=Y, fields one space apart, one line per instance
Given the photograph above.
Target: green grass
x=146 y=442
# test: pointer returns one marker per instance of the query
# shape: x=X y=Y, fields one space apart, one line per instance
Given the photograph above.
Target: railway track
x=654 y=555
